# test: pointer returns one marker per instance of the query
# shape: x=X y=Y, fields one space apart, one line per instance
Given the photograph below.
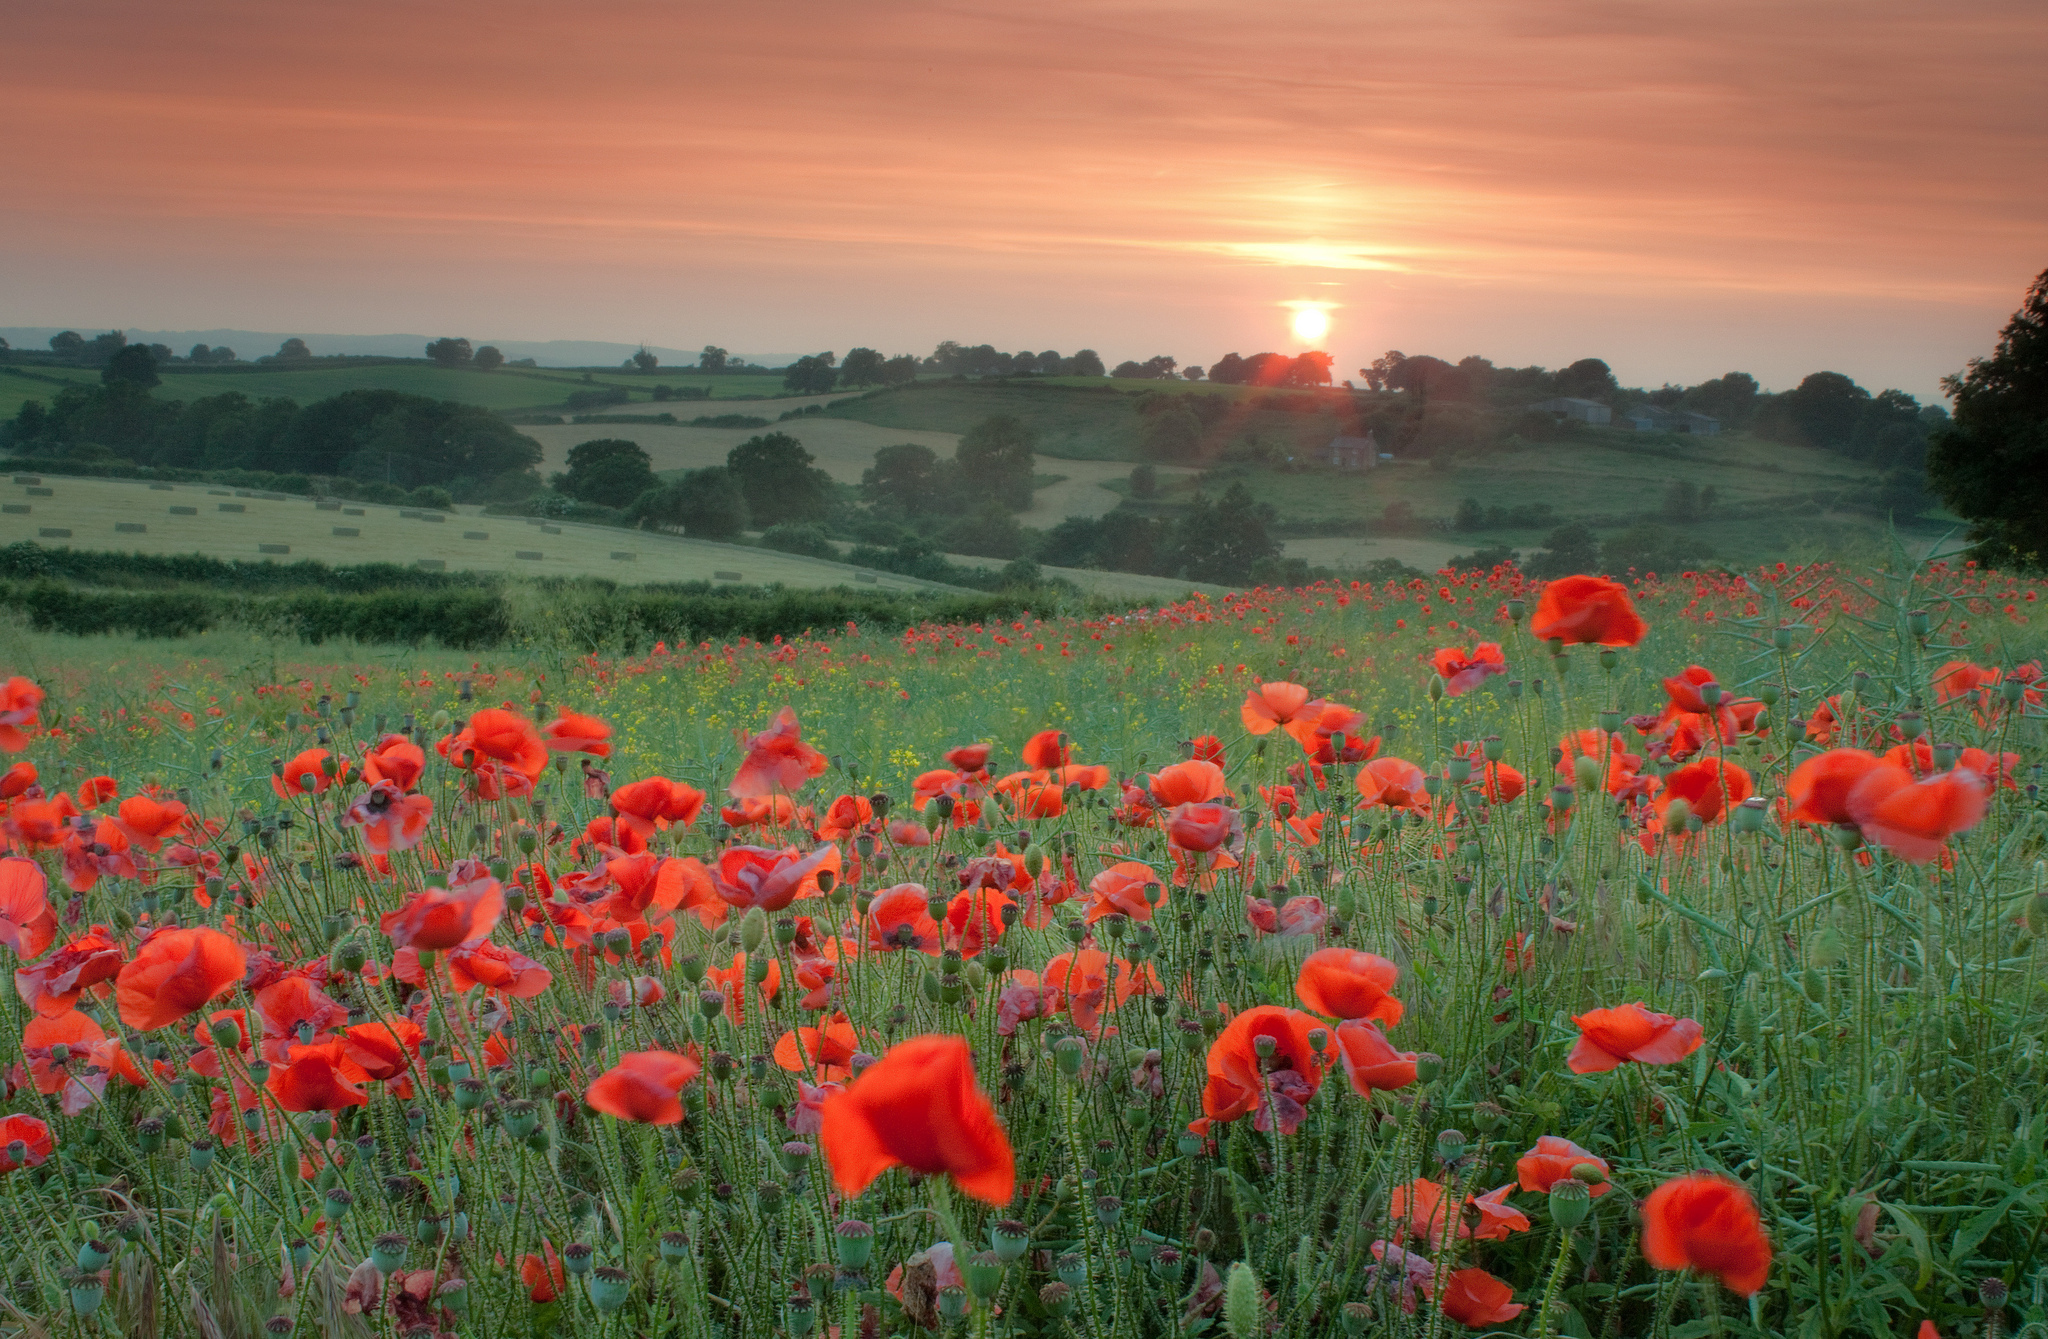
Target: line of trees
x=370 y=435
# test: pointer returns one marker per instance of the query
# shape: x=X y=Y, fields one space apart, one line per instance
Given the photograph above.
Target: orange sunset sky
x=1681 y=188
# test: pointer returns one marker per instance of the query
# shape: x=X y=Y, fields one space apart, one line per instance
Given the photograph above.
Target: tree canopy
x=779 y=479
x=1990 y=465
x=609 y=471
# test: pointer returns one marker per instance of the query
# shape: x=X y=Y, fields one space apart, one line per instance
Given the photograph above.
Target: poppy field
x=1473 y=955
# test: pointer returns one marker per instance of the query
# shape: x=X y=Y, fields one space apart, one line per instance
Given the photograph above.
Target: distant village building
x=1568 y=406
x=1353 y=453
x=1651 y=418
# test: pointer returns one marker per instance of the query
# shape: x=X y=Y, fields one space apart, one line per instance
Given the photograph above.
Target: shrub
x=807 y=540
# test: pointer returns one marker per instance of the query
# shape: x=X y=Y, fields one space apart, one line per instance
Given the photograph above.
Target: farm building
x=1650 y=418
x=1353 y=453
x=1567 y=406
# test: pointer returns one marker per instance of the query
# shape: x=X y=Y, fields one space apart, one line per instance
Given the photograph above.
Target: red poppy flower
x=175 y=972
x=1552 y=1160
x=1914 y=819
x=509 y=738
x=778 y=761
x=314 y=1080
x=826 y=1051
x=395 y=759
x=1587 y=609
x=644 y=1087
x=758 y=876
x=446 y=917
x=384 y=1049
x=1271 y=705
x=545 y=1279
x=969 y=757
x=27 y=925
x=1608 y=1037
x=1202 y=827
x=1477 y=1300
x=149 y=822
x=1463 y=670
x=1087 y=983
x=918 y=1107
x=1345 y=983
x=1819 y=787
x=295 y=1011
x=1241 y=1082
x=1709 y=1223
x=20 y=706
x=33 y=1135
x=495 y=967
x=647 y=806
x=1710 y=787
x=974 y=919
x=573 y=732
x=1188 y=783
x=291 y=779
x=18 y=780
x=1045 y=751
x=900 y=918
x=1370 y=1060
x=732 y=983
x=1393 y=782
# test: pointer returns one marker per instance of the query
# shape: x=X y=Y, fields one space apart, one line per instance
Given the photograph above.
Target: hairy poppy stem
x=1546 y=1326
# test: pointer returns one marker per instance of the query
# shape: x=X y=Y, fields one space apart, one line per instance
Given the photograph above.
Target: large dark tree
x=779 y=479
x=1824 y=409
x=811 y=374
x=906 y=480
x=450 y=352
x=133 y=366
x=1990 y=465
x=704 y=504
x=863 y=367
x=995 y=460
x=610 y=471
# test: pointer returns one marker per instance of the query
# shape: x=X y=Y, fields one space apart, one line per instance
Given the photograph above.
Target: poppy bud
x=1244 y=1303
x=1436 y=687
x=1570 y=1201
x=856 y=1242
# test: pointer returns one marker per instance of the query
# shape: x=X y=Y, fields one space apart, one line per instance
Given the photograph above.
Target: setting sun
x=1311 y=323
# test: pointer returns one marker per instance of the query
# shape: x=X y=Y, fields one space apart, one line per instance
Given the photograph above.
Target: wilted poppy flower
x=1129 y=887
x=1710 y=787
x=1370 y=1060
x=396 y=759
x=1608 y=1037
x=1478 y=1300
x=1241 y=1082
x=1819 y=787
x=778 y=761
x=1552 y=1160
x=644 y=1087
x=758 y=876
x=314 y=1080
x=574 y=732
x=1587 y=609
x=446 y=917
x=1345 y=983
x=389 y=819
x=1270 y=705
x=1463 y=670
x=32 y=1134
x=53 y=986
x=1709 y=1223
x=545 y=1279
x=175 y=972
x=27 y=925
x=1914 y=819
x=918 y=1107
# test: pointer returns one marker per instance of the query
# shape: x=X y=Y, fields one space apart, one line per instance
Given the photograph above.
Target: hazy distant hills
x=252 y=344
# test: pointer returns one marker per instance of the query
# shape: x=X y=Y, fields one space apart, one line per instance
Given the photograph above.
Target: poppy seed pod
x=855 y=1242
x=578 y=1256
x=610 y=1288
x=674 y=1246
x=1570 y=1201
x=1057 y=1299
x=387 y=1252
x=1009 y=1239
x=984 y=1275
x=1070 y=1053
x=94 y=1255
x=1429 y=1067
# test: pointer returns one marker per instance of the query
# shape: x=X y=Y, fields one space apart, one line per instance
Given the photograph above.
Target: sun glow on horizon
x=1311 y=321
